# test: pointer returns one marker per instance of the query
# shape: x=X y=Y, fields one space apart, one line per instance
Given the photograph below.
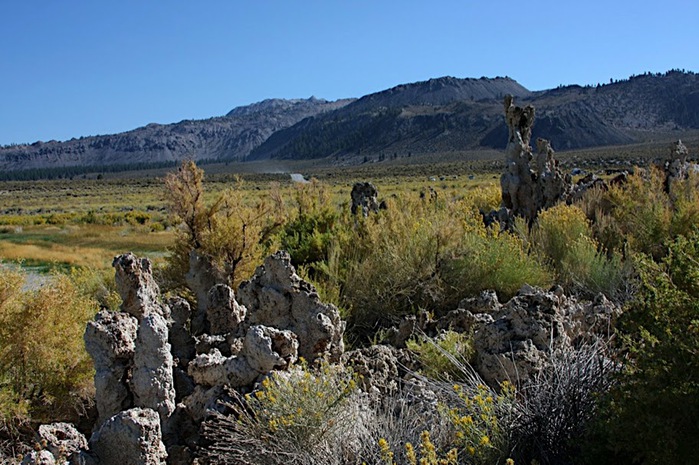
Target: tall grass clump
x=558 y=407
x=45 y=372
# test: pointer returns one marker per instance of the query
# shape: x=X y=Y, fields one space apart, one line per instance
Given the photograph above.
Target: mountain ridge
x=571 y=117
x=437 y=115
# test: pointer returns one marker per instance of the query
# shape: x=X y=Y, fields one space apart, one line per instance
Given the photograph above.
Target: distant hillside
x=449 y=114
x=229 y=137
x=439 y=115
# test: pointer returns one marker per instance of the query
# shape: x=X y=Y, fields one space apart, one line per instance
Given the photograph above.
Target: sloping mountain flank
x=451 y=114
x=229 y=137
x=439 y=115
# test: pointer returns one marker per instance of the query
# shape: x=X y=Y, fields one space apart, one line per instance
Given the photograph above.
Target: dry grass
x=92 y=246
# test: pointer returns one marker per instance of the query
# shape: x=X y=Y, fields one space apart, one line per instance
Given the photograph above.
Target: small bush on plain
x=45 y=372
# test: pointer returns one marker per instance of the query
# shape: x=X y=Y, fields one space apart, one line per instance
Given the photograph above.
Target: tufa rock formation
x=276 y=296
x=161 y=370
x=364 y=198
x=130 y=437
x=530 y=183
x=110 y=339
x=514 y=340
x=678 y=166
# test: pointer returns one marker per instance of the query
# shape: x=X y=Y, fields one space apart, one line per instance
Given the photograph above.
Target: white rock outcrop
x=278 y=298
x=130 y=437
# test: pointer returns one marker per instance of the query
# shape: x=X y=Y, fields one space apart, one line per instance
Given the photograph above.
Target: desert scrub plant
x=463 y=422
x=650 y=413
x=307 y=235
x=558 y=407
x=437 y=354
x=643 y=210
x=489 y=259
x=428 y=454
x=563 y=237
x=304 y=416
x=231 y=232
x=391 y=263
x=419 y=254
x=45 y=372
x=480 y=419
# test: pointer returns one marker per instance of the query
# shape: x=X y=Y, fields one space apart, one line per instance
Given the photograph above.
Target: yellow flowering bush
x=428 y=453
x=302 y=405
x=477 y=420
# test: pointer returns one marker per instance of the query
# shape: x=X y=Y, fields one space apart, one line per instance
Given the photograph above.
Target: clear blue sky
x=85 y=67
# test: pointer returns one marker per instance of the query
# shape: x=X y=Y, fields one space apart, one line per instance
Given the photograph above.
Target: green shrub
x=308 y=235
x=391 y=262
x=651 y=413
x=487 y=259
x=644 y=211
x=647 y=216
x=423 y=255
x=564 y=237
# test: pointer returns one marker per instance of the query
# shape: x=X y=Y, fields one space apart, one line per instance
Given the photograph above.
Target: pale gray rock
x=223 y=312
x=530 y=183
x=41 y=457
x=516 y=341
x=203 y=403
x=264 y=349
x=210 y=369
x=63 y=440
x=268 y=349
x=205 y=343
x=130 y=437
x=516 y=344
x=180 y=337
x=364 y=198
x=152 y=381
x=138 y=290
x=110 y=340
x=378 y=367
x=552 y=185
x=678 y=166
x=277 y=297
x=203 y=274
